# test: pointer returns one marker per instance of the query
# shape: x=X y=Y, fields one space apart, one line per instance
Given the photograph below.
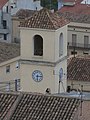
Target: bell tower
x=44 y=53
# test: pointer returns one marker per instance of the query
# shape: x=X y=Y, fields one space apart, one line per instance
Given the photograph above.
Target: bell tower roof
x=44 y=19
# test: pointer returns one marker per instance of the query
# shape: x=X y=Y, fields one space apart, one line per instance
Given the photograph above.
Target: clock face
x=37 y=75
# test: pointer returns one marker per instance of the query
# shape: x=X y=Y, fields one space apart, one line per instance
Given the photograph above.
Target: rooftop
x=24 y=13
x=45 y=19
x=8 y=51
x=35 y=106
x=84 y=111
x=6 y=102
x=76 y=94
x=78 y=68
x=74 y=17
x=77 y=13
x=2 y=3
x=78 y=8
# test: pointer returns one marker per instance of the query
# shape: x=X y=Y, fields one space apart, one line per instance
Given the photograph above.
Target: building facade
x=5 y=22
x=78 y=73
x=24 y=4
x=78 y=28
x=78 y=38
x=43 y=54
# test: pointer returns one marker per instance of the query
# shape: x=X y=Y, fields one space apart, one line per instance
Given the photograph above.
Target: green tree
x=50 y=4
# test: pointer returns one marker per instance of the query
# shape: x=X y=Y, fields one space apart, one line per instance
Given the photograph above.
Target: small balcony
x=13 y=85
x=78 y=45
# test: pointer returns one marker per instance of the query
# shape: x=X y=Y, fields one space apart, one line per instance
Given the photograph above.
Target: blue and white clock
x=37 y=75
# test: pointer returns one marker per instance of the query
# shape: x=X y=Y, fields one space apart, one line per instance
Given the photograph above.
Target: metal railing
x=13 y=85
x=79 y=45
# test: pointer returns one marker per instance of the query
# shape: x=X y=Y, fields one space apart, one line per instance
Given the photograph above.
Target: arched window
x=38 y=45
x=61 y=44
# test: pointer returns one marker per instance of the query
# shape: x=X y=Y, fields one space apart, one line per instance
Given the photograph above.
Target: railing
x=13 y=85
x=78 y=45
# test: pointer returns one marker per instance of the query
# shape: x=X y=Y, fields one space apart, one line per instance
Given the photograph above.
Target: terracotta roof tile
x=8 y=51
x=79 y=8
x=43 y=107
x=45 y=19
x=85 y=111
x=74 y=17
x=6 y=102
x=2 y=3
x=79 y=69
x=77 y=13
x=34 y=106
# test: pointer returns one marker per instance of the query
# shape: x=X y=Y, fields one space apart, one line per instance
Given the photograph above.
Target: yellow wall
x=15 y=28
x=50 y=54
x=14 y=72
x=49 y=64
x=27 y=42
x=28 y=84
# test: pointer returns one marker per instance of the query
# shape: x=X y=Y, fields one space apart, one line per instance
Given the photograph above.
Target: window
x=8 y=69
x=5 y=36
x=38 y=45
x=73 y=52
x=7 y=9
x=8 y=87
x=74 y=39
x=17 y=84
x=61 y=44
x=4 y=24
x=86 y=41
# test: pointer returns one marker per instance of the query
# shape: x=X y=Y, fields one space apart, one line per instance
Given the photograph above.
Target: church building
x=44 y=53
x=42 y=62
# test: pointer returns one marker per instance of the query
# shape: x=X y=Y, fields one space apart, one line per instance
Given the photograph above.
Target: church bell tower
x=44 y=53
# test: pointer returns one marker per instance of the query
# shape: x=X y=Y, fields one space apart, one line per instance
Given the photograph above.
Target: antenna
x=60 y=79
x=74 y=51
x=81 y=93
x=80 y=96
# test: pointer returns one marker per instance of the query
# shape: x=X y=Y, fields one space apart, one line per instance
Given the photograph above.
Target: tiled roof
x=44 y=19
x=2 y=3
x=79 y=69
x=24 y=13
x=85 y=111
x=8 y=51
x=74 y=17
x=6 y=102
x=34 y=106
x=77 y=13
x=78 y=8
x=42 y=107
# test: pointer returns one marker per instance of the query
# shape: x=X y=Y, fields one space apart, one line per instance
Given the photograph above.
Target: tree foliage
x=50 y=4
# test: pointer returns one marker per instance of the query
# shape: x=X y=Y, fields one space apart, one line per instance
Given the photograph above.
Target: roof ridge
x=44 y=19
x=50 y=18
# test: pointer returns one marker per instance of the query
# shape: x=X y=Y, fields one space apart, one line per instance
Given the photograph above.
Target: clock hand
x=37 y=77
